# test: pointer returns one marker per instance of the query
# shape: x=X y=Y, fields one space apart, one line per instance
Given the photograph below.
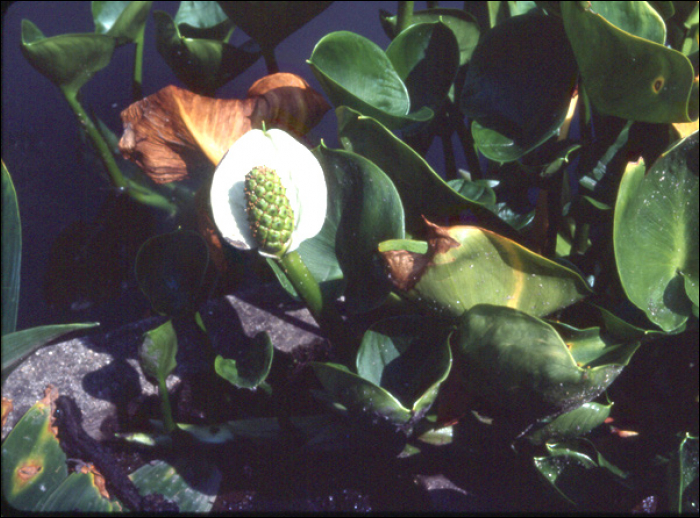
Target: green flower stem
x=404 y=17
x=137 y=191
x=165 y=408
x=304 y=283
x=343 y=339
x=580 y=243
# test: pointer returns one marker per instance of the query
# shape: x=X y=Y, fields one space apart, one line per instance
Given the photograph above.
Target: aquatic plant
x=501 y=297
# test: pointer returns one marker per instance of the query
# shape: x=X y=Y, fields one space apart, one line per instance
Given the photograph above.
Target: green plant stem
x=467 y=141
x=165 y=407
x=304 y=283
x=140 y=193
x=580 y=241
x=404 y=17
x=137 y=81
x=270 y=60
x=449 y=153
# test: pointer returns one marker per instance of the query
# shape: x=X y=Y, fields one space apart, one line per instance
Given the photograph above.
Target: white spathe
x=300 y=174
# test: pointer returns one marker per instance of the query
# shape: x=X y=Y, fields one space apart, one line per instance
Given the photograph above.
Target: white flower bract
x=298 y=170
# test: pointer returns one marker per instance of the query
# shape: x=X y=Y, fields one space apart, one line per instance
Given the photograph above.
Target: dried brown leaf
x=174 y=132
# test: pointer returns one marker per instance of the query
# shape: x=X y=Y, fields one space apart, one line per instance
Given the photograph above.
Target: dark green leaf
x=409 y=357
x=572 y=424
x=462 y=25
x=68 y=60
x=11 y=255
x=372 y=212
x=423 y=192
x=360 y=395
x=518 y=86
x=251 y=366
x=518 y=366
x=202 y=64
x=269 y=23
x=171 y=269
x=426 y=57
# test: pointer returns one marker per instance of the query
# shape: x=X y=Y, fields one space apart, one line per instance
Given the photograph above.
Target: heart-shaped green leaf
x=518 y=85
x=465 y=266
x=462 y=24
x=355 y=72
x=173 y=479
x=11 y=254
x=576 y=470
x=572 y=424
x=426 y=57
x=423 y=192
x=409 y=357
x=269 y=23
x=171 y=269
x=202 y=64
x=360 y=395
x=518 y=367
x=68 y=60
x=251 y=365
x=124 y=21
x=372 y=212
x=626 y=69
x=158 y=350
x=656 y=235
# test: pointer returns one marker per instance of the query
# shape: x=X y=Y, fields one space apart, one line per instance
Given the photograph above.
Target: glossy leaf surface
x=656 y=235
x=407 y=356
x=372 y=213
x=426 y=57
x=517 y=365
x=170 y=270
x=401 y=363
x=355 y=72
x=626 y=69
x=572 y=424
x=465 y=266
x=68 y=60
x=175 y=481
x=124 y=21
x=422 y=190
x=202 y=64
x=251 y=366
x=462 y=25
x=11 y=255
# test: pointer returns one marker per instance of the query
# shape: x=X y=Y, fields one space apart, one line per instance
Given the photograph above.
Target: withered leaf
x=174 y=132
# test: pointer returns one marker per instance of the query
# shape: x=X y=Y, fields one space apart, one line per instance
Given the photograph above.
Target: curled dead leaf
x=406 y=268
x=175 y=132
